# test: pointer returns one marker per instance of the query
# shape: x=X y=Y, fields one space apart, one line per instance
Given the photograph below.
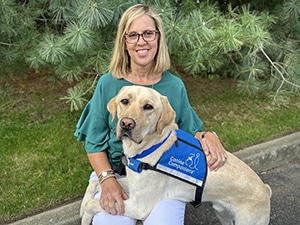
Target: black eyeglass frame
x=142 y=35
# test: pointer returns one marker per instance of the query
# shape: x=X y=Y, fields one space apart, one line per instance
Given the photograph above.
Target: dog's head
x=141 y=112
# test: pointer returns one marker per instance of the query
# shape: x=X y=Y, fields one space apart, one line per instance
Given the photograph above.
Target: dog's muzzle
x=127 y=126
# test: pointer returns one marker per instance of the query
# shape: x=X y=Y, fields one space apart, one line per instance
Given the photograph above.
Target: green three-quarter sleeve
x=95 y=126
x=92 y=127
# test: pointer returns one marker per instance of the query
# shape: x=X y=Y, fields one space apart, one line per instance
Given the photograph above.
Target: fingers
x=112 y=198
x=217 y=160
x=214 y=151
x=120 y=204
x=124 y=195
x=108 y=204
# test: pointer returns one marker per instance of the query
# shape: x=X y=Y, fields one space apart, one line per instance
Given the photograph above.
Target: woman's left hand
x=213 y=149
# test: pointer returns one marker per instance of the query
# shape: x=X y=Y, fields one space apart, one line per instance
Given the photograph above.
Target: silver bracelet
x=105 y=174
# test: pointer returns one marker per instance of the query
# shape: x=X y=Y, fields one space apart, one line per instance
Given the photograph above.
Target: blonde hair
x=120 y=62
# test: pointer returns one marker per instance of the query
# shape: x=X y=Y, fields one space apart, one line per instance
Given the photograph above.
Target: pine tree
x=74 y=40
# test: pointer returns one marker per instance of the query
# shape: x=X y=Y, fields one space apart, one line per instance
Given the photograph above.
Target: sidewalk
x=260 y=157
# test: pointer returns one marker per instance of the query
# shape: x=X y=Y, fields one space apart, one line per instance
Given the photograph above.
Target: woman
x=140 y=57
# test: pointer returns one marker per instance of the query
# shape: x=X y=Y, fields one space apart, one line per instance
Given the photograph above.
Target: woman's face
x=142 y=53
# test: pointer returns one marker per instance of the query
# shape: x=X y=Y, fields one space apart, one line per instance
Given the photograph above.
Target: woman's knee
x=104 y=218
x=167 y=212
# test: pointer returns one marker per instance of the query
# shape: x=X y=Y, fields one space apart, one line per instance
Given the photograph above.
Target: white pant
x=164 y=213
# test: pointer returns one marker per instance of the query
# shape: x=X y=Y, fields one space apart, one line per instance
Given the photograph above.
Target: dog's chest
x=144 y=182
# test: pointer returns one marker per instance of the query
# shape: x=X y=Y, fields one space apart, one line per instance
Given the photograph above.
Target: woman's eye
x=132 y=35
x=148 y=33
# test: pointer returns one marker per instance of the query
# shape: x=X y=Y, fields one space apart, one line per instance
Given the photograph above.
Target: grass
x=42 y=164
x=240 y=120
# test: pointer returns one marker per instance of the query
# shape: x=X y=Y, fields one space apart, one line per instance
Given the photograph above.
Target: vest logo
x=192 y=161
x=189 y=165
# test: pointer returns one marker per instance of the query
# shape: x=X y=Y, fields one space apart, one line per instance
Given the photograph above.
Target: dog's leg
x=91 y=207
x=249 y=216
x=224 y=212
x=251 y=211
x=131 y=210
x=91 y=190
x=256 y=212
x=246 y=215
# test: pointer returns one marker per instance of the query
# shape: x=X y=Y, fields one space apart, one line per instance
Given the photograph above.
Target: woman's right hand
x=112 y=196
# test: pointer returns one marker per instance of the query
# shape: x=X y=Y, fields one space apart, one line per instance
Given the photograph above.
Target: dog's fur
x=237 y=193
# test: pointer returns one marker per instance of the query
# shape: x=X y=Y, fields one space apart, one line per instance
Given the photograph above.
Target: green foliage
x=79 y=37
x=75 y=98
x=257 y=43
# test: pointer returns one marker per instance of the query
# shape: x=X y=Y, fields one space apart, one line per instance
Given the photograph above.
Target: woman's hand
x=112 y=196
x=213 y=149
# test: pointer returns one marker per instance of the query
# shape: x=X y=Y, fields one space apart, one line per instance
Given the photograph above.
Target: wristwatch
x=106 y=174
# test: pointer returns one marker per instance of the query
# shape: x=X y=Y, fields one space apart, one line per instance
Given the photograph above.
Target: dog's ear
x=112 y=107
x=168 y=115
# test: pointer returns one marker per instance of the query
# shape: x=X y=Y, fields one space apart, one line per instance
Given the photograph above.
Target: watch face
x=104 y=174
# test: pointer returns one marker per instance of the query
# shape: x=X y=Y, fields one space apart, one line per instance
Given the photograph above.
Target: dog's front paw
x=82 y=208
x=86 y=218
x=90 y=192
x=88 y=210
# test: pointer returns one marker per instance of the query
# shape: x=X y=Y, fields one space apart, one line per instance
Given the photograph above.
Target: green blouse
x=97 y=130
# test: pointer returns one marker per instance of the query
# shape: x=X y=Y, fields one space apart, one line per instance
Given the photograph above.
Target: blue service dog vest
x=185 y=160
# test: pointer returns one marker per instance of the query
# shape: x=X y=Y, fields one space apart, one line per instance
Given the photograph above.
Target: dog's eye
x=125 y=101
x=148 y=107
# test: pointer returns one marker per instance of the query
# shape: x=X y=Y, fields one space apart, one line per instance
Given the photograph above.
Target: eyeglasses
x=148 y=36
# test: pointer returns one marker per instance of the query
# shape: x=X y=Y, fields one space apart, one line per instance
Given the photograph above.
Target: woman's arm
x=112 y=192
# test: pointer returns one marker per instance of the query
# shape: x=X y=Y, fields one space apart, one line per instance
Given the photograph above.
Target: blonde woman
x=140 y=57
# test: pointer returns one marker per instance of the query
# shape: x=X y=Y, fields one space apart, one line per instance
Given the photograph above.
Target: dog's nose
x=127 y=124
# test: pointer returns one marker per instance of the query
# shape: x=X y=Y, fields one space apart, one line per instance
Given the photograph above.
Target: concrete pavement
x=265 y=158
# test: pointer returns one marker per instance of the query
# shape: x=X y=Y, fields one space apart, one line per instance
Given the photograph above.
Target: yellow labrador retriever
x=146 y=118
